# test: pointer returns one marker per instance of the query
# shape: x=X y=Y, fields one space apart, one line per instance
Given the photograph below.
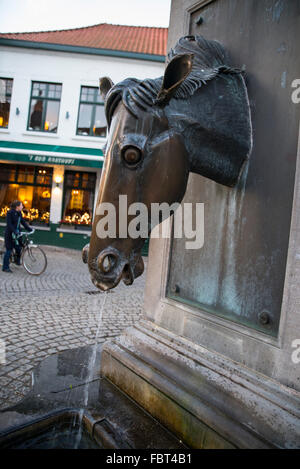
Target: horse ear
x=105 y=84
x=176 y=72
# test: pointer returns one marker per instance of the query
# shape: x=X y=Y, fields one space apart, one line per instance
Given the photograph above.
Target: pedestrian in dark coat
x=13 y=221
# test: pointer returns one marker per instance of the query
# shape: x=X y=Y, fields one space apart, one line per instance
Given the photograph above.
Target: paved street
x=59 y=310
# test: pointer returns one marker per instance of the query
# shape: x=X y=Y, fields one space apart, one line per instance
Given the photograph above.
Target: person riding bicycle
x=13 y=221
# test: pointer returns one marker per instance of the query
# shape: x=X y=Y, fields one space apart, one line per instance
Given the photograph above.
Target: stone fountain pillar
x=216 y=357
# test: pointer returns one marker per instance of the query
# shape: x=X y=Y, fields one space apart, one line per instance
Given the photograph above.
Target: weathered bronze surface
x=240 y=272
x=193 y=119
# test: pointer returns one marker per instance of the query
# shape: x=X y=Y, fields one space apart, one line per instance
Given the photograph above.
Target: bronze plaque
x=239 y=272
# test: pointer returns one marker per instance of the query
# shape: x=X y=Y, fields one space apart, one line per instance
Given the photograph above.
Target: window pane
x=40 y=207
x=8 y=193
x=9 y=83
x=84 y=121
x=7 y=173
x=51 y=92
x=44 y=112
x=36 y=201
x=76 y=179
x=99 y=128
x=72 y=179
x=84 y=90
x=5 y=98
x=39 y=89
x=88 y=180
x=4 y=113
x=69 y=178
x=51 y=120
x=26 y=174
x=36 y=113
x=44 y=176
x=79 y=198
x=90 y=94
x=54 y=91
x=85 y=180
x=78 y=207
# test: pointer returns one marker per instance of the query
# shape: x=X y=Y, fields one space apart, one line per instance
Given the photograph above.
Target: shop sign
x=52 y=159
x=45 y=159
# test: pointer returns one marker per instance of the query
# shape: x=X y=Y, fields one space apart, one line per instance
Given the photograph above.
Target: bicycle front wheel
x=34 y=260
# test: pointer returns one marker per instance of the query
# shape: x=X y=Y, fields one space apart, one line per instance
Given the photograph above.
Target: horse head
x=193 y=119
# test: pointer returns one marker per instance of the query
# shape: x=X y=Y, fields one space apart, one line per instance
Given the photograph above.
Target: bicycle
x=33 y=258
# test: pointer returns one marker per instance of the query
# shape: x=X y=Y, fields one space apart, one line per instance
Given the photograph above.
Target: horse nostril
x=85 y=253
x=106 y=263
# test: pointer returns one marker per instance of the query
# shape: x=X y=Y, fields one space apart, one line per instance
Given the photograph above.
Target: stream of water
x=91 y=366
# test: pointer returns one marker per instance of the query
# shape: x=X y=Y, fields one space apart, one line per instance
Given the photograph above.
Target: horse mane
x=209 y=61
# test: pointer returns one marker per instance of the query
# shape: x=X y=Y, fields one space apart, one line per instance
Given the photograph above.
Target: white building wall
x=72 y=70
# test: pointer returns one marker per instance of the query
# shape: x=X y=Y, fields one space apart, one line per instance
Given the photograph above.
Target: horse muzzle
x=111 y=266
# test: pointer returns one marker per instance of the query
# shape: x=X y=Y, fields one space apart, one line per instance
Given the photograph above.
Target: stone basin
x=69 y=407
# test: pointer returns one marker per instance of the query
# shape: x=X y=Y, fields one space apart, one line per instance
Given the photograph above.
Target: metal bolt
x=175 y=289
x=264 y=318
x=199 y=20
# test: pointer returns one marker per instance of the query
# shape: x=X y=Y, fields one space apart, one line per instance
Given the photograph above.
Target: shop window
x=91 y=116
x=30 y=184
x=5 y=99
x=44 y=107
x=79 y=192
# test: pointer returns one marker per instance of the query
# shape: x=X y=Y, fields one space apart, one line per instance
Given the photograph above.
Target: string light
x=78 y=219
x=31 y=215
x=46 y=194
x=4 y=211
x=45 y=217
x=34 y=214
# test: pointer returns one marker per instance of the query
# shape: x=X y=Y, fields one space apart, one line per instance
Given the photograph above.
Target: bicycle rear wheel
x=34 y=260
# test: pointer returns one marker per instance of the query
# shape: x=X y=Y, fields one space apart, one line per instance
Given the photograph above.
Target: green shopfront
x=57 y=185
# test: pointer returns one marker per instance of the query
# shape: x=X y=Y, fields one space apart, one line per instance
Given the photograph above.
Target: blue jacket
x=13 y=221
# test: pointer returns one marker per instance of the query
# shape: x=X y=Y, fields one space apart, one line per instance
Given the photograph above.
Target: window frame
x=33 y=184
x=36 y=168
x=8 y=96
x=66 y=187
x=94 y=105
x=44 y=99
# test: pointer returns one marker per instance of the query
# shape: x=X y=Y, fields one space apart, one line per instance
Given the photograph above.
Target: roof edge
x=81 y=49
x=84 y=27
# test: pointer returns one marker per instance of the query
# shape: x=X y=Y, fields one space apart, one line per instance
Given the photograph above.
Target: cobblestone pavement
x=58 y=310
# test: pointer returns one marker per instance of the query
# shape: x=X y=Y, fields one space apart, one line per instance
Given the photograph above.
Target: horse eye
x=132 y=156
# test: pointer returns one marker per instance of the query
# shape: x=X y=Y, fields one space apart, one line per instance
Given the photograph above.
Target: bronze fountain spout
x=196 y=118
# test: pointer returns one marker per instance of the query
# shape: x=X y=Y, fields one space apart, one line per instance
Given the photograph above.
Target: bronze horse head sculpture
x=196 y=118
